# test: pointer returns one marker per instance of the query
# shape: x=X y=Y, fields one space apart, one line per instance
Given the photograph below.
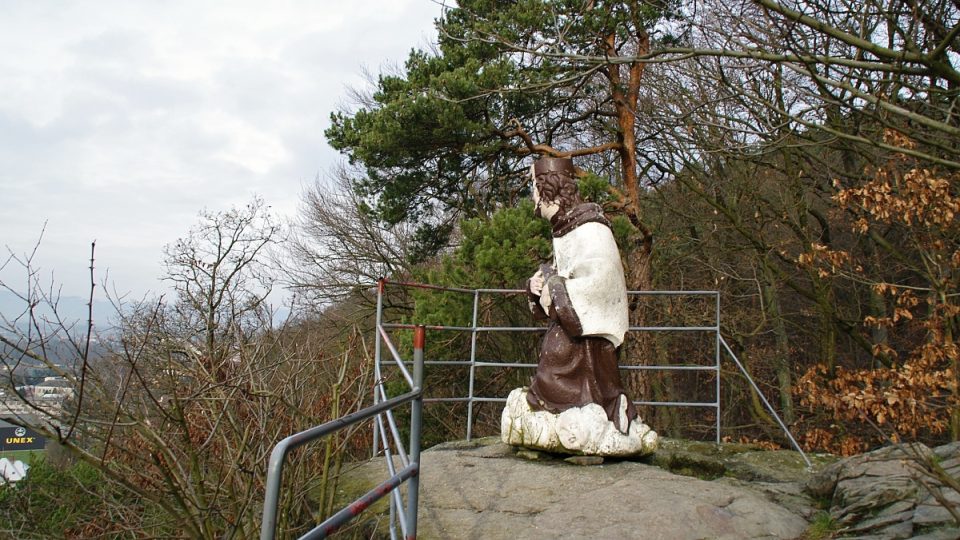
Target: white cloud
x=120 y=120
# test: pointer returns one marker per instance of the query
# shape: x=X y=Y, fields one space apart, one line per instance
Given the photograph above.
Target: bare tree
x=219 y=274
x=340 y=248
x=181 y=413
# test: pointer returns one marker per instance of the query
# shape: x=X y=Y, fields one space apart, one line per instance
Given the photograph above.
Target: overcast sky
x=120 y=120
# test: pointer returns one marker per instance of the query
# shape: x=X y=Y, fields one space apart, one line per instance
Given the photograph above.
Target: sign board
x=18 y=438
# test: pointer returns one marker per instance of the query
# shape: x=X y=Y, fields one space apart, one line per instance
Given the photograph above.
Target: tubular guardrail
x=411 y=463
x=382 y=409
x=720 y=348
x=475 y=330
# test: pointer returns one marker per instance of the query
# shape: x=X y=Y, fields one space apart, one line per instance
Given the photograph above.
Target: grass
x=821 y=528
x=22 y=455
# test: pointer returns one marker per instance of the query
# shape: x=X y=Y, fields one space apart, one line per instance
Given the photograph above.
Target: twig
x=86 y=348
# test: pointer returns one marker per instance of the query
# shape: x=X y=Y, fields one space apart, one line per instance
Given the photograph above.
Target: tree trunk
x=826 y=310
x=638 y=349
x=781 y=358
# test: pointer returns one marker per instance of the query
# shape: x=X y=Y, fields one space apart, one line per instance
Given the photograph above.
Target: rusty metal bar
x=410 y=472
x=279 y=454
x=341 y=518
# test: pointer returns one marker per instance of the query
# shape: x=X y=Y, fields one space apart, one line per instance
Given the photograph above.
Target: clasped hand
x=536 y=287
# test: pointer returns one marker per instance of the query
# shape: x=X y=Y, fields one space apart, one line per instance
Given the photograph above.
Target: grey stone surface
x=931 y=514
x=515 y=498
x=486 y=491
x=886 y=494
x=950 y=533
x=897 y=531
x=483 y=489
x=786 y=494
x=882 y=521
x=743 y=461
x=948 y=451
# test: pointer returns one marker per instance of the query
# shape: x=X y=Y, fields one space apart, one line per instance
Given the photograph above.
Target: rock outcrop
x=686 y=490
x=894 y=492
x=484 y=489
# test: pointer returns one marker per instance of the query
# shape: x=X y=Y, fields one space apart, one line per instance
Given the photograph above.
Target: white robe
x=589 y=261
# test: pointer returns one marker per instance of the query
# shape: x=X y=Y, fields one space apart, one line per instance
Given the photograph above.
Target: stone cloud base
x=580 y=430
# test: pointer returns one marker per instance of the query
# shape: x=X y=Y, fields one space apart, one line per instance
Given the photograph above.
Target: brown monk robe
x=576 y=371
x=586 y=305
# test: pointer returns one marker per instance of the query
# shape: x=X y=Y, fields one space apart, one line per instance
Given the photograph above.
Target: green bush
x=51 y=501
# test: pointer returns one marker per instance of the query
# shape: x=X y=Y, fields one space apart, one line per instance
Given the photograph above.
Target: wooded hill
x=801 y=157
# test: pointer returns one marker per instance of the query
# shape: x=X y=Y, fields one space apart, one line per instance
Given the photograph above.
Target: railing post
x=416 y=416
x=381 y=283
x=717 y=364
x=473 y=364
x=271 y=503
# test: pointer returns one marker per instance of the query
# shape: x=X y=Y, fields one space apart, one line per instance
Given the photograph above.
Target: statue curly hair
x=555 y=180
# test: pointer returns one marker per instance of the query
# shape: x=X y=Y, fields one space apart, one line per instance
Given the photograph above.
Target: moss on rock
x=746 y=462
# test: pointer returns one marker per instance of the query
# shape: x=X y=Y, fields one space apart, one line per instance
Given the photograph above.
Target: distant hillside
x=71 y=309
x=73 y=312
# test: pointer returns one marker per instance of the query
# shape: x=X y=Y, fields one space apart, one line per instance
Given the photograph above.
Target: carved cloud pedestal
x=578 y=430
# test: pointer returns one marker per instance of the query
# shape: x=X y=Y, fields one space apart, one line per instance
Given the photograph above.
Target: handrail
x=410 y=473
x=474 y=329
x=765 y=402
x=720 y=345
x=396 y=356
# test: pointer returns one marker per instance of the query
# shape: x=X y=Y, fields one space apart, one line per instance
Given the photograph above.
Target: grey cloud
x=117 y=143
x=114 y=46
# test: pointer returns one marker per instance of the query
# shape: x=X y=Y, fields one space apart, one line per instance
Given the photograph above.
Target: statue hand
x=545 y=301
x=536 y=283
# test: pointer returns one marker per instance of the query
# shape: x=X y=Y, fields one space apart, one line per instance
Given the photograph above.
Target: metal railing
x=409 y=473
x=720 y=347
x=405 y=515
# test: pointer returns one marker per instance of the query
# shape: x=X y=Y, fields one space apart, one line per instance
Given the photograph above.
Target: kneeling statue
x=576 y=403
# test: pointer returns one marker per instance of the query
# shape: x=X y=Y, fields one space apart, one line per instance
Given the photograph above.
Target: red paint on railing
x=419 y=337
x=358 y=507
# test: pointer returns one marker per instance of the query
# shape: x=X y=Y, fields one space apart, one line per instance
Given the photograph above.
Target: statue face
x=544 y=209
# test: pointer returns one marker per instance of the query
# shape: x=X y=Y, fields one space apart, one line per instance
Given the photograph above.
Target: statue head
x=555 y=187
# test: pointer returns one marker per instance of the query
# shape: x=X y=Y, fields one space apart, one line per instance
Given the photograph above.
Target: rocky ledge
x=904 y=491
x=686 y=490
